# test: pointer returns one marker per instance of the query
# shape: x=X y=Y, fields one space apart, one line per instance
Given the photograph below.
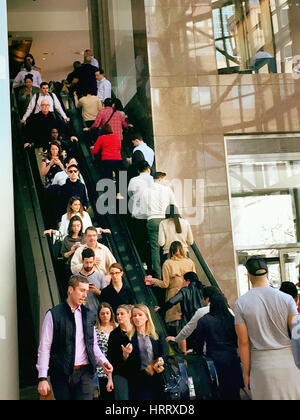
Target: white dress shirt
x=147 y=152
x=135 y=188
x=156 y=199
x=94 y=62
x=104 y=89
x=56 y=104
x=20 y=78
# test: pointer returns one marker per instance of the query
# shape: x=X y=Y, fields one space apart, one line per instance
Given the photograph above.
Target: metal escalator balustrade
x=34 y=249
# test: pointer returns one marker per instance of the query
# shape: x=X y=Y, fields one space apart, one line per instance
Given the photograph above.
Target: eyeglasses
x=116 y=272
x=73 y=172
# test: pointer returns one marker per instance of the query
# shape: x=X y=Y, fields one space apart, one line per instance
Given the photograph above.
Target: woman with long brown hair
x=173 y=271
x=52 y=163
x=174 y=228
x=105 y=324
x=74 y=208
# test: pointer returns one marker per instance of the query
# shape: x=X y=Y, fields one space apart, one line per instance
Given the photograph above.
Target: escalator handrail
x=25 y=184
x=204 y=266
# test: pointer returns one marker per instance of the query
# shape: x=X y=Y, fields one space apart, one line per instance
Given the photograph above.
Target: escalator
x=37 y=289
x=41 y=270
x=123 y=248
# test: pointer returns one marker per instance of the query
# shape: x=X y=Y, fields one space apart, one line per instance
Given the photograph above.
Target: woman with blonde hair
x=173 y=270
x=105 y=324
x=144 y=356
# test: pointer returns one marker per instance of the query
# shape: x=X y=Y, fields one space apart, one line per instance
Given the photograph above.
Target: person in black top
x=117 y=343
x=190 y=298
x=117 y=293
x=84 y=78
x=144 y=357
x=72 y=188
x=39 y=126
x=217 y=330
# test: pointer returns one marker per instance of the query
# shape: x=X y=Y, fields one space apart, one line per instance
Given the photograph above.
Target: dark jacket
x=190 y=299
x=115 y=299
x=221 y=346
x=134 y=359
x=115 y=354
x=141 y=385
x=62 y=355
x=87 y=79
x=72 y=189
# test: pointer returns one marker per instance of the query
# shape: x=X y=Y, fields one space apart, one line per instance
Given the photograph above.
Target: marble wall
x=193 y=108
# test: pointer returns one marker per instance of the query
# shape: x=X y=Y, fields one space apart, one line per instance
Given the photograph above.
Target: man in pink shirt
x=69 y=347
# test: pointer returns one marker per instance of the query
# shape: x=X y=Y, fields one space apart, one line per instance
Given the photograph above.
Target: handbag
x=96 y=132
x=177 y=386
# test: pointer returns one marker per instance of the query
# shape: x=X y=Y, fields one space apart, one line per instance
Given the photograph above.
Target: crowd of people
x=100 y=329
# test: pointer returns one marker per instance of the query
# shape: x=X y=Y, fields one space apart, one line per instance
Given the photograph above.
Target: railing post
x=9 y=378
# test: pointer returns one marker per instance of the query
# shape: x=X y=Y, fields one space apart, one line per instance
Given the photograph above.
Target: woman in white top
x=174 y=228
x=74 y=208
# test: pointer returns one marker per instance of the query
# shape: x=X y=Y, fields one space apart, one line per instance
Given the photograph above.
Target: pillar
x=9 y=386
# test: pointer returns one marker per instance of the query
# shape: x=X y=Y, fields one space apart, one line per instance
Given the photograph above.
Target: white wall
x=48 y=21
x=63 y=35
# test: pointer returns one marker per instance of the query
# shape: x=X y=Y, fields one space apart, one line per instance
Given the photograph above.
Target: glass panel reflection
x=253 y=36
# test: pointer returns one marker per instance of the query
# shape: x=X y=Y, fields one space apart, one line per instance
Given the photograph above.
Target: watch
x=42 y=379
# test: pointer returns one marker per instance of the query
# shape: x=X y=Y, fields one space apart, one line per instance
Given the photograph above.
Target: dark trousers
x=107 y=168
x=138 y=229
x=78 y=386
x=121 y=390
x=104 y=394
x=145 y=388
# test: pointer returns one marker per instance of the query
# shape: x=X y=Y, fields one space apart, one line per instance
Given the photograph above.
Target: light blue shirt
x=104 y=89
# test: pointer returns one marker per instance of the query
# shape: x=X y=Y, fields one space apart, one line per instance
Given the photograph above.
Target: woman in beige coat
x=173 y=271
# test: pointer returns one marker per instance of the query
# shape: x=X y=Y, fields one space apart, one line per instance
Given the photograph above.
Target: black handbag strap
x=112 y=114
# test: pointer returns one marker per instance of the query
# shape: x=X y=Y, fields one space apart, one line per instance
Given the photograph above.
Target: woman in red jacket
x=109 y=144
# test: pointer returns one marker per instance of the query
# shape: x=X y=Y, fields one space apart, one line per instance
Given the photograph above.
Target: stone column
x=189 y=125
x=9 y=383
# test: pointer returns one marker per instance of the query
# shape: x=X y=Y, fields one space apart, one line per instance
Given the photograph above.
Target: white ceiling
x=45 y=5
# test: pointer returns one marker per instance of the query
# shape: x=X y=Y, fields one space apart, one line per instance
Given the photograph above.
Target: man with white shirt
x=139 y=144
x=34 y=106
x=103 y=86
x=138 y=221
x=154 y=201
x=136 y=186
